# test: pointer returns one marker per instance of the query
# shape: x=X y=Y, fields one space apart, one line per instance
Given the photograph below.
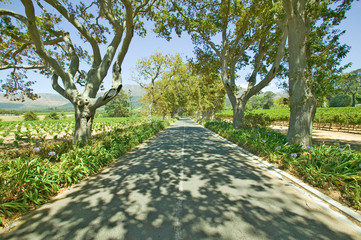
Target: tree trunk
x=198 y=114
x=353 y=99
x=206 y=115
x=83 y=124
x=300 y=125
x=150 y=116
x=313 y=114
x=238 y=107
x=301 y=99
x=238 y=114
x=150 y=113
x=213 y=114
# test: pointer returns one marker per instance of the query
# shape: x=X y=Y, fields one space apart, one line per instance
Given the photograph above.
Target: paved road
x=183 y=184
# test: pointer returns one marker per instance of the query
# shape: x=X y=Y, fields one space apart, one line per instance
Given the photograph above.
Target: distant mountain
x=46 y=100
x=49 y=101
x=136 y=90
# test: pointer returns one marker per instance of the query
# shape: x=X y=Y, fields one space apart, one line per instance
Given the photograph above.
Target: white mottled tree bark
x=302 y=101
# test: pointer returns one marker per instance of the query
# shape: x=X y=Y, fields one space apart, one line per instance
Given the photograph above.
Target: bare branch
x=35 y=36
x=141 y=6
x=275 y=66
x=74 y=62
x=42 y=7
x=109 y=54
x=56 y=86
x=80 y=27
x=110 y=16
x=27 y=67
x=257 y=62
x=16 y=15
x=107 y=97
x=86 y=8
x=209 y=42
x=129 y=24
x=55 y=40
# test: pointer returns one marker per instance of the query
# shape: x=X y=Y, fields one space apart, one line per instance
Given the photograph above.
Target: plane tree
x=351 y=83
x=186 y=87
x=149 y=70
x=206 y=90
x=237 y=33
x=161 y=75
x=314 y=59
x=74 y=42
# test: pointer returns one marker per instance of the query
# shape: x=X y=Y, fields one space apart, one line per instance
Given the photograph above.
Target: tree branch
x=225 y=44
x=35 y=36
x=199 y=31
x=57 y=87
x=257 y=63
x=129 y=25
x=141 y=6
x=74 y=62
x=110 y=16
x=209 y=42
x=275 y=66
x=16 y=15
x=55 y=40
x=24 y=46
x=15 y=66
x=79 y=26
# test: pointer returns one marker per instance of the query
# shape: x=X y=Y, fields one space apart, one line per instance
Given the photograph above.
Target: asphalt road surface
x=183 y=184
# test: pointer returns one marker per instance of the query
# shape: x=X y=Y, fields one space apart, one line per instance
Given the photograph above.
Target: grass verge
x=329 y=168
x=30 y=177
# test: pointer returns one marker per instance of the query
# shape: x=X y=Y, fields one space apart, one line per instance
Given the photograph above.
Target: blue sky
x=144 y=47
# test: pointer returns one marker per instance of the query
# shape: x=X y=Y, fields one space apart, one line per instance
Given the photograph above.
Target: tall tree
x=148 y=71
x=165 y=93
x=237 y=33
x=262 y=100
x=39 y=39
x=351 y=83
x=186 y=88
x=308 y=22
x=207 y=94
x=118 y=106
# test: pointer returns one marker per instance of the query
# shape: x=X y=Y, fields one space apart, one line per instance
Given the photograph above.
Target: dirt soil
x=329 y=137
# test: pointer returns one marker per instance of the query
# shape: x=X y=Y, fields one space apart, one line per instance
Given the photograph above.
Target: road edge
x=291 y=179
x=30 y=213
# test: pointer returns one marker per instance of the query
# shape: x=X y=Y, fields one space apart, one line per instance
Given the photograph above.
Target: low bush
x=52 y=116
x=30 y=116
x=252 y=120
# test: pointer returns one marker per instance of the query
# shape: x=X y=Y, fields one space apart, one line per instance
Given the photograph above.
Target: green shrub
x=32 y=176
x=30 y=116
x=257 y=120
x=52 y=116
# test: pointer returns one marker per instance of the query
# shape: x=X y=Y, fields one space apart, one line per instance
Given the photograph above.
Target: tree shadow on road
x=183 y=184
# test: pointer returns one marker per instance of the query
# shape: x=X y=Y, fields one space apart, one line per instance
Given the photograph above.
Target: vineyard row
x=33 y=131
x=344 y=117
